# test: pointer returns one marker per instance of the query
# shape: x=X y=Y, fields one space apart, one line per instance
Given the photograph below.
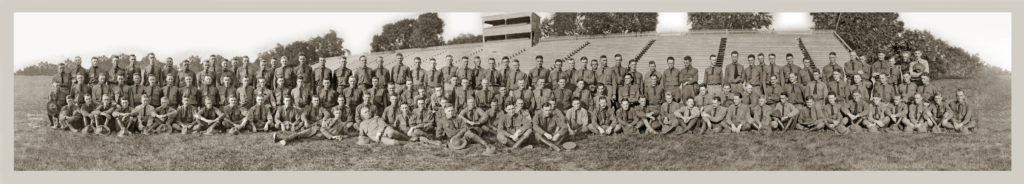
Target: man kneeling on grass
x=331 y=128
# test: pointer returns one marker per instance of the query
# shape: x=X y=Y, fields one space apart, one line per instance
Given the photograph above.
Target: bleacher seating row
x=658 y=47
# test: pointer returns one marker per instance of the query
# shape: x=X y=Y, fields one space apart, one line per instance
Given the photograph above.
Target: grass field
x=39 y=148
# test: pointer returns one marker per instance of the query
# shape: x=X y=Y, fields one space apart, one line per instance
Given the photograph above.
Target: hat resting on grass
x=569 y=145
x=457 y=143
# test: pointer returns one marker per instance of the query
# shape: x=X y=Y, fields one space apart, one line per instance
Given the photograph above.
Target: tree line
x=866 y=33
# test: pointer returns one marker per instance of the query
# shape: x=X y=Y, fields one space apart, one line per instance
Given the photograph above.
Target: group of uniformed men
x=547 y=106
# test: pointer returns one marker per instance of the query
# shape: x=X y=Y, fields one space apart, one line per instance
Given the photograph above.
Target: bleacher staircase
x=573 y=53
x=644 y=50
x=721 y=53
x=807 y=54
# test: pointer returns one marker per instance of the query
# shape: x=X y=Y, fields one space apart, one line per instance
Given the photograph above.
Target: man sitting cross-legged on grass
x=878 y=118
x=446 y=124
x=896 y=115
x=762 y=114
x=833 y=112
x=686 y=118
x=603 y=118
x=142 y=116
x=184 y=117
x=668 y=110
x=578 y=117
x=856 y=111
x=549 y=128
x=713 y=116
x=121 y=116
x=234 y=116
x=67 y=115
x=101 y=116
x=332 y=128
x=504 y=124
x=313 y=112
x=475 y=124
x=402 y=117
x=963 y=119
x=648 y=117
x=82 y=112
x=286 y=118
x=163 y=117
x=259 y=117
x=421 y=123
x=373 y=128
x=812 y=118
x=784 y=114
x=208 y=117
x=518 y=123
x=940 y=114
x=738 y=116
x=626 y=119
x=915 y=120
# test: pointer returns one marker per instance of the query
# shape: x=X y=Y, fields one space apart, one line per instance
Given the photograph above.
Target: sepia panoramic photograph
x=512 y=91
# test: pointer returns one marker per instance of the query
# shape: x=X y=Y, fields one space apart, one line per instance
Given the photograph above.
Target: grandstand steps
x=475 y=53
x=644 y=50
x=520 y=51
x=721 y=52
x=577 y=50
x=814 y=45
x=803 y=49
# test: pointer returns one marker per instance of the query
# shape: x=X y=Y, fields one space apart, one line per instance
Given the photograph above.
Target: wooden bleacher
x=697 y=45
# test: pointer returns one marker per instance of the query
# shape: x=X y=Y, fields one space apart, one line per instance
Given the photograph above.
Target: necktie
x=783 y=109
x=515 y=77
x=833 y=109
x=714 y=112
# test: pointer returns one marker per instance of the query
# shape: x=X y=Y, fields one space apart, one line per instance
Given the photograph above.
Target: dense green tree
x=466 y=38
x=424 y=31
x=730 y=20
x=871 y=33
x=591 y=23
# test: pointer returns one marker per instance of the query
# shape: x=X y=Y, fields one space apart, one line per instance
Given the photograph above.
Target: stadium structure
x=516 y=35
